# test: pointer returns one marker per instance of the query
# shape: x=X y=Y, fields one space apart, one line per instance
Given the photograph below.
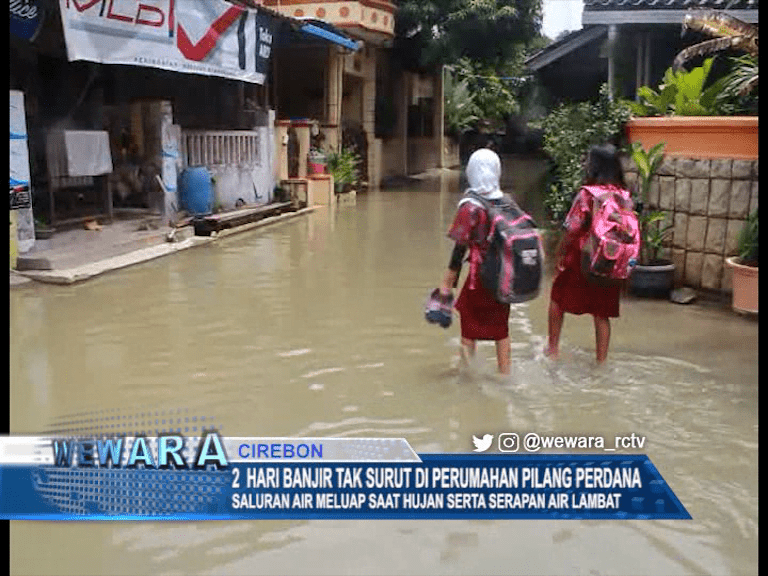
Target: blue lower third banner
x=214 y=478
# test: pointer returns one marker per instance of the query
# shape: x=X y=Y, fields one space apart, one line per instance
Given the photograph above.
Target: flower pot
x=698 y=136
x=654 y=280
x=745 y=293
x=44 y=233
x=316 y=167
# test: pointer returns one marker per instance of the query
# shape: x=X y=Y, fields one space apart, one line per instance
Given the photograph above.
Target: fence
x=240 y=162
x=220 y=148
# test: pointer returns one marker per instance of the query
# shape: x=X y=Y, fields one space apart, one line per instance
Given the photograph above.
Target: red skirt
x=482 y=316
x=576 y=295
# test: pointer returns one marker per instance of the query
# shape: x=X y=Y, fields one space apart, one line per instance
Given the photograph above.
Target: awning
x=326 y=31
x=308 y=28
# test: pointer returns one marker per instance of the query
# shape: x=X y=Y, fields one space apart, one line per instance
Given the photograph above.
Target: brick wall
x=708 y=202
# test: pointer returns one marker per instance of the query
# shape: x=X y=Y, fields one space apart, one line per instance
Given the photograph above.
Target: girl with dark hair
x=571 y=291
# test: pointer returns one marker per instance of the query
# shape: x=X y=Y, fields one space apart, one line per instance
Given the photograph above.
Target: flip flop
x=439 y=309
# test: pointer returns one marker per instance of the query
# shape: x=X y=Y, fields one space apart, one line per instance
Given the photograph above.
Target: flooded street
x=315 y=327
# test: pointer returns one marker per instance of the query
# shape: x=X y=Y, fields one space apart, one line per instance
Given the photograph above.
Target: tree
x=495 y=89
x=728 y=33
x=460 y=108
x=434 y=32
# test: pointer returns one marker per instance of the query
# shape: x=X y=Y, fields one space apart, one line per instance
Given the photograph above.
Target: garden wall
x=708 y=202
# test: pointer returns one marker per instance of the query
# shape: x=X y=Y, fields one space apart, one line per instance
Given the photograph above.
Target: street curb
x=262 y=223
x=91 y=270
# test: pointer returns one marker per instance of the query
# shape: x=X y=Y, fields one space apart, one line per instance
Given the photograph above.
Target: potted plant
x=653 y=275
x=317 y=161
x=42 y=230
x=745 y=270
x=697 y=118
x=343 y=166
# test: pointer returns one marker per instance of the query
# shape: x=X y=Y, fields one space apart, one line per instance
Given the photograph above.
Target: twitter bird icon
x=482 y=444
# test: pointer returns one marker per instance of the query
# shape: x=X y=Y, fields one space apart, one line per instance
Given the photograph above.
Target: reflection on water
x=315 y=328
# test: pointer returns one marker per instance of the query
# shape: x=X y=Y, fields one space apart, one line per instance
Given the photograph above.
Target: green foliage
x=748 y=241
x=461 y=111
x=434 y=32
x=653 y=232
x=493 y=89
x=727 y=33
x=647 y=163
x=682 y=93
x=740 y=94
x=343 y=164
x=569 y=131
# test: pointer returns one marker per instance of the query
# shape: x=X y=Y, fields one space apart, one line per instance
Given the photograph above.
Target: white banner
x=209 y=37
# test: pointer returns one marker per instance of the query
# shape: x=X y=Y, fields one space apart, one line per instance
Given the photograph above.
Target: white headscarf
x=484 y=172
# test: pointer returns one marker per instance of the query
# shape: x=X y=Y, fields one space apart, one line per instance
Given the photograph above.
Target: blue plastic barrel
x=196 y=191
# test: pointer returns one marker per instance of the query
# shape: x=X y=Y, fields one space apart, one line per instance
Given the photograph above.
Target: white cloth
x=484 y=173
x=79 y=153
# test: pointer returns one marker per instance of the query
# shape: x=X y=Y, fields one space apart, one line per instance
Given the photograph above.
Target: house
x=627 y=43
x=167 y=86
x=362 y=97
x=705 y=194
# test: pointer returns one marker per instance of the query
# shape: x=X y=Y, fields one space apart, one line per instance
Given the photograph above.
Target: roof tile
x=594 y=5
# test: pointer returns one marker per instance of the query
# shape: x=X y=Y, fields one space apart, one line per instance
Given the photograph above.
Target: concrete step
x=65 y=257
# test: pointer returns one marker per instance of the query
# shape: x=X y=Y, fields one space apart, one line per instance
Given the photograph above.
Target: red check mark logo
x=208 y=42
x=84 y=7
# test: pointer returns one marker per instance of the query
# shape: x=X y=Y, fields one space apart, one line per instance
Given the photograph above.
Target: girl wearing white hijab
x=482 y=316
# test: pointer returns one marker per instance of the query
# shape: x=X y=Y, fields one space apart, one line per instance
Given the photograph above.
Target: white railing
x=220 y=148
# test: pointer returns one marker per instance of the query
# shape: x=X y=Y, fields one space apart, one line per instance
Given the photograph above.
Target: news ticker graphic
x=210 y=477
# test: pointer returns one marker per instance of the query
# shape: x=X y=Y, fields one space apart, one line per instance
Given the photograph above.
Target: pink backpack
x=611 y=248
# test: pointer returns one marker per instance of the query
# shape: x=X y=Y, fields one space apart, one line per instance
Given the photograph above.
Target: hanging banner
x=208 y=37
x=26 y=18
x=265 y=30
x=19 y=180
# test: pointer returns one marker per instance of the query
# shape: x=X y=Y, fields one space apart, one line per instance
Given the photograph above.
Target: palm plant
x=748 y=241
x=742 y=80
x=653 y=231
x=461 y=111
x=729 y=33
x=344 y=165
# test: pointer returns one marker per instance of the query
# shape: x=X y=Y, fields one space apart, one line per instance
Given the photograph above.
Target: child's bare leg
x=555 y=326
x=602 y=338
x=502 y=355
x=467 y=350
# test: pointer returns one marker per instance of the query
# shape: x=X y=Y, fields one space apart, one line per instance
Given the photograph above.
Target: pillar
x=640 y=42
x=440 y=118
x=333 y=94
x=170 y=141
x=281 y=145
x=404 y=99
x=303 y=134
x=612 y=34
x=369 y=114
x=647 y=67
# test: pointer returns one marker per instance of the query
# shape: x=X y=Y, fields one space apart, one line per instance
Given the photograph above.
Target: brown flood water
x=315 y=328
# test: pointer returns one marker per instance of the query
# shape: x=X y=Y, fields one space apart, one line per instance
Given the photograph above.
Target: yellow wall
x=14 y=240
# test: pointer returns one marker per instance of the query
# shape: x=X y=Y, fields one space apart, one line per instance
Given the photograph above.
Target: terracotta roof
x=596 y=5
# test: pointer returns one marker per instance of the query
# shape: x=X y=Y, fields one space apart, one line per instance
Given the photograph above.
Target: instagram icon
x=509 y=442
